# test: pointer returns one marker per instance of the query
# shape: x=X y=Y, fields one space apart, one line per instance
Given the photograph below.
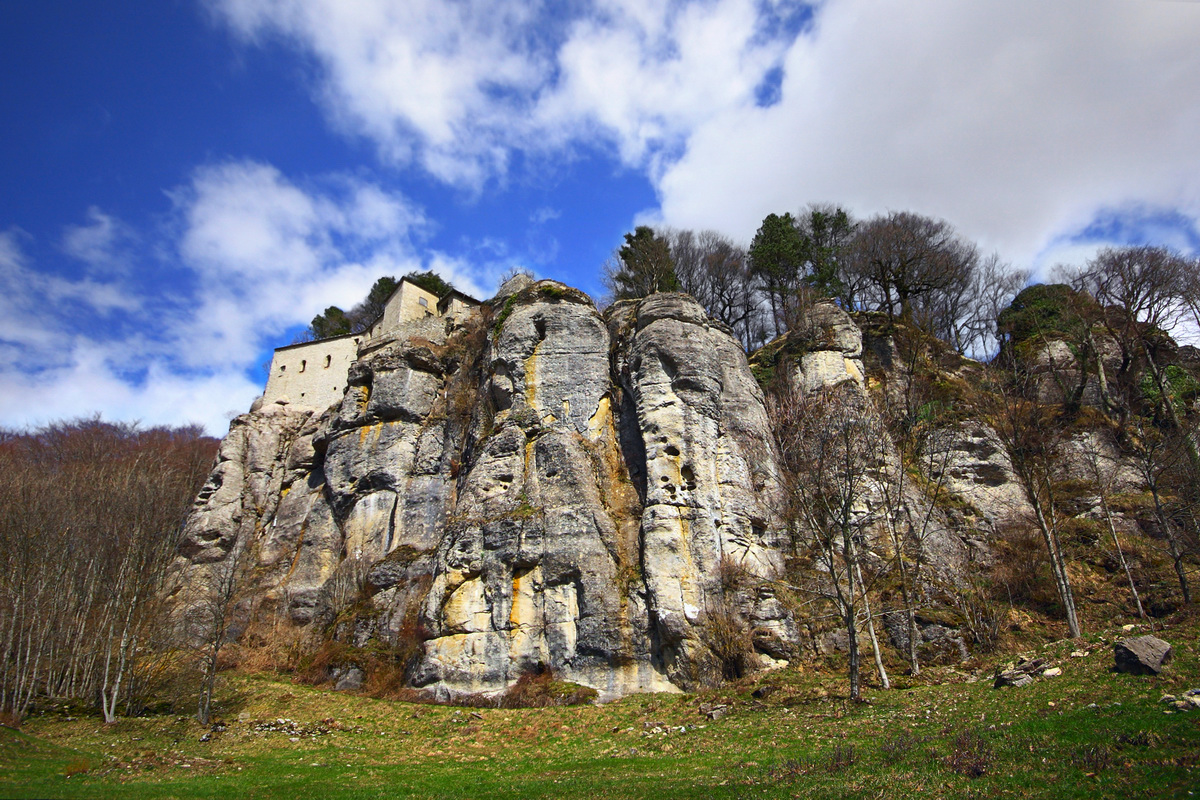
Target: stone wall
x=313 y=374
x=408 y=302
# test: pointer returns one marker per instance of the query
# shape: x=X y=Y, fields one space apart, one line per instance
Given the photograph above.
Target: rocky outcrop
x=539 y=486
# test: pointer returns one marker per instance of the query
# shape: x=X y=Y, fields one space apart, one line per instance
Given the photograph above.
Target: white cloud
x=254 y=254
x=1017 y=121
x=99 y=242
x=457 y=85
x=544 y=214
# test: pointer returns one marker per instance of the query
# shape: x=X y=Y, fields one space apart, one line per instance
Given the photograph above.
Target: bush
x=1048 y=310
x=1022 y=571
x=539 y=688
x=729 y=643
x=971 y=755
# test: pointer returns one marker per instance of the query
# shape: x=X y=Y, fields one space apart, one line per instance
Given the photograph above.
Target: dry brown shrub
x=315 y=668
x=1021 y=574
x=729 y=642
x=539 y=688
x=278 y=646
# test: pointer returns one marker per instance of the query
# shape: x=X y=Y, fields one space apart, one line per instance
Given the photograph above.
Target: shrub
x=970 y=754
x=1022 y=570
x=729 y=643
x=539 y=688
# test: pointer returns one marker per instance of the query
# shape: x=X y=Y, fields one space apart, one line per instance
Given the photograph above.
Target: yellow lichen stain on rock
x=566 y=408
x=531 y=383
x=601 y=419
x=514 y=609
x=466 y=610
x=852 y=370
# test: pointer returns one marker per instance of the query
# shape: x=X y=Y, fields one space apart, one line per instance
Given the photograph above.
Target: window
x=423 y=301
x=282 y=368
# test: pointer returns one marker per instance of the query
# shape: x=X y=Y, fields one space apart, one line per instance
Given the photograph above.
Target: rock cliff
x=541 y=485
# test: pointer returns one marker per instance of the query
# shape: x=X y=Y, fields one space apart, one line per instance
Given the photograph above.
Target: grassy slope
x=1041 y=740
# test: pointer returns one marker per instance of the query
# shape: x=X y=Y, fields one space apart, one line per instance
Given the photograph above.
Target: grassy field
x=1087 y=733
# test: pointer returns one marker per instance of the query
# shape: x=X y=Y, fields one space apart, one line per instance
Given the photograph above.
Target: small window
x=282 y=368
x=422 y=301
x=302 y=365
x=328 y=361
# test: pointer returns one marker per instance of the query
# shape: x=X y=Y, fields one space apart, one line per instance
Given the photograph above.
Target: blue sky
x=186 y=182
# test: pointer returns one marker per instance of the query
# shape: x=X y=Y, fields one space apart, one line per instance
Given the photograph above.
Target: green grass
x=803 y=740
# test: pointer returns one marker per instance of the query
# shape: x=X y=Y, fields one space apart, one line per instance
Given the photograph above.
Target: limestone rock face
x=706 y=471
x=537 y=485
x=976 y=468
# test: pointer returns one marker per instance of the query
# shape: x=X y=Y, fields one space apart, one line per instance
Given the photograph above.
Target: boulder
x=1022 y=674
x=349 y=679
x=1143 y=655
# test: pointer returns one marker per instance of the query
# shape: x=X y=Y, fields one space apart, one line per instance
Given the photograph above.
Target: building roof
x=448 y=296
x=320 y=341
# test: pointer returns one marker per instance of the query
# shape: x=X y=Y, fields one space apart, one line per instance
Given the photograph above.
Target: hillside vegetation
x=1088 y=733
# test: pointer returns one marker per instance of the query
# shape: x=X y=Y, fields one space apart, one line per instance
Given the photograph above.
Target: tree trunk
x=1112 y=529
x=1057 y=566
x=883 y=676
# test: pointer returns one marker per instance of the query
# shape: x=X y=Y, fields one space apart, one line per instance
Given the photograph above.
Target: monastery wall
x=312 y=374
x=409 y=302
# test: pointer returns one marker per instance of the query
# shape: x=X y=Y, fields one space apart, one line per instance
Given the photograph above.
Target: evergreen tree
x=644 y=266
x=776 y=256
x=333 y=322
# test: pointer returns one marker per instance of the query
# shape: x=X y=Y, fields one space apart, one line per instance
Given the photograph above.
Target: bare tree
x=1146 y=291
x=212 y=615
x=1033 y=440
x=90 y=513
x=1163 y=464
x=715 y=271
x=830 y=453
x=1104 y=471
x=904 y=260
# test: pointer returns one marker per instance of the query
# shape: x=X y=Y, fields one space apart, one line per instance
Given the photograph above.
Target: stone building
x=313 y=374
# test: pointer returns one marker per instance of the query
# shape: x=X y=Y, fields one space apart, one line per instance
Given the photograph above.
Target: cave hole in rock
x=689 y=477
x=671 y=450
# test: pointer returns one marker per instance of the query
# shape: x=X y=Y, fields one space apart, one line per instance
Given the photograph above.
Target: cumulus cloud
x=455 y=86
x=1020 y=122
x=252 y=255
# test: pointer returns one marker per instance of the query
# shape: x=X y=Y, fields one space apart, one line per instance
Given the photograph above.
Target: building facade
x=314 y=374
